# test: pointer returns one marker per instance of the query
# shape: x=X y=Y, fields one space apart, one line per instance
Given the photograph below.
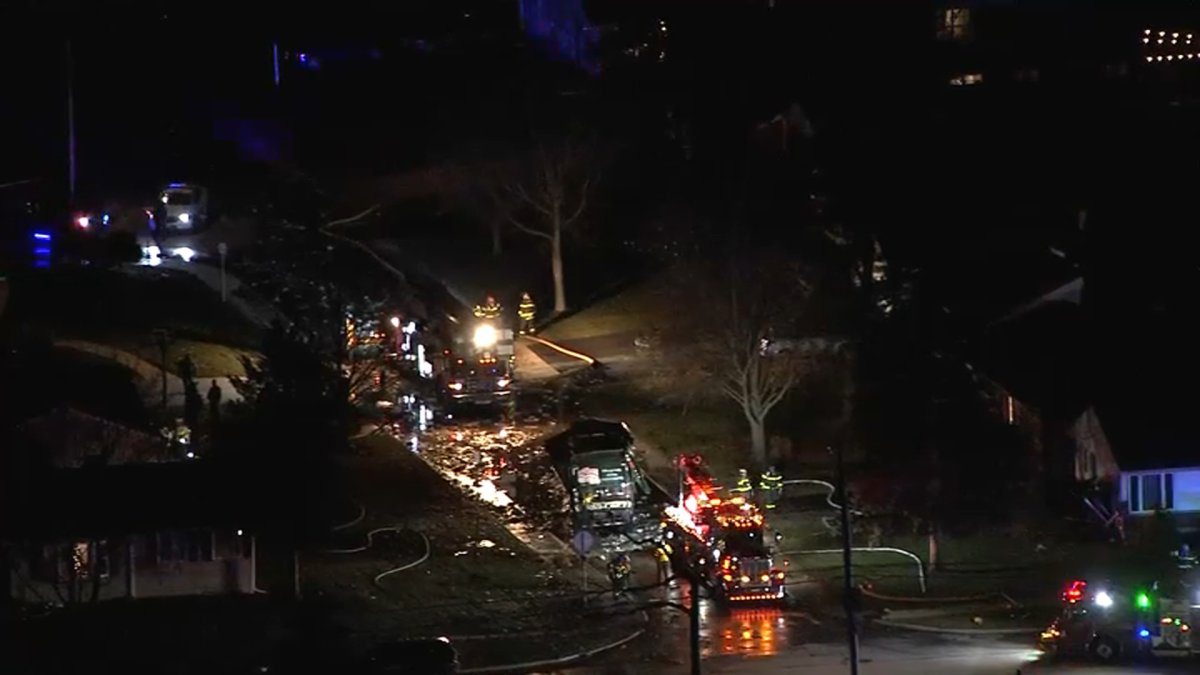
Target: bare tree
x=548 y=195
x=748 y=333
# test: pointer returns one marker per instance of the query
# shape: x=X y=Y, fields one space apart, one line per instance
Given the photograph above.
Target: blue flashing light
x=41 y=251
x=303 y=57
x=105 y=219
x=42 y=236
x=41 y=263
x=176 y=185
x=1144 y=633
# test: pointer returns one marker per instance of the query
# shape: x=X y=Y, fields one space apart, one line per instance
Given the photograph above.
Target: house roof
x=1042 y=359
x=116 y=500
x=70 y=438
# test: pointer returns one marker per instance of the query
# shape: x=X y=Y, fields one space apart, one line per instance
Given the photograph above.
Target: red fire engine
x=721 y=540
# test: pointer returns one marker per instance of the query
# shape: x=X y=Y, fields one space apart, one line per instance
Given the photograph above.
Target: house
x=69 y=438
x=1113 y=423
x=1036 y=365
x=133 y=531
x=1141 y=457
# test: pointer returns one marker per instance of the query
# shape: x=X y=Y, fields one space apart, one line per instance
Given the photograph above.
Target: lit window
x=1151 y=492
x=955 y=24
x=966 y=80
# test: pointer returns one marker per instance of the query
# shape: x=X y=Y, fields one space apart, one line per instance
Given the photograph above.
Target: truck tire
x=1104 y=648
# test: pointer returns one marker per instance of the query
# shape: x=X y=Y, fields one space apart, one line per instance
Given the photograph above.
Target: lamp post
x=847 y=562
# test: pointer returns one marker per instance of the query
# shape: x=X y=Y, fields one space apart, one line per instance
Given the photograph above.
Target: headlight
x=186 y=253
x=152 y=251
x=503 y=382
x=455 y=386
x=84 y=222
x=485 y=336
x=185 y=218
x=1103 y=599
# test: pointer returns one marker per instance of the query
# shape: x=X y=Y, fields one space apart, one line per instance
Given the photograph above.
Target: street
x=892 y=653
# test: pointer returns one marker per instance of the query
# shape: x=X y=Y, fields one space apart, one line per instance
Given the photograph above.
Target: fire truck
x=1106 y=620
x=721 y=540
x=481 y=370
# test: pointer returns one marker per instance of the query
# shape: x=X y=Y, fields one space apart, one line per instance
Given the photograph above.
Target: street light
x=395 y=321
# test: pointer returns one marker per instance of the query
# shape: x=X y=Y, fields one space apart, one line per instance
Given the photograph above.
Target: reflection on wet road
x=889 y=654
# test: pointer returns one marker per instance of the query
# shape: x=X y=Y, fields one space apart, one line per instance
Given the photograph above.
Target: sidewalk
x=530 y=366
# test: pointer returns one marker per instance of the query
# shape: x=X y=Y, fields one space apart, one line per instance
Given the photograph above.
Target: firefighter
x=490 y=309
x=770 y=487
x=526 y=311
x=664 y=564
x=744 y=487
x=619 y=570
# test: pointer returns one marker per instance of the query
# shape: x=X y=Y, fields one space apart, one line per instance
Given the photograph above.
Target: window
x=967 y=80
x=191 y=546
x=954 y=24
x=63 y=562
x=1151 y=492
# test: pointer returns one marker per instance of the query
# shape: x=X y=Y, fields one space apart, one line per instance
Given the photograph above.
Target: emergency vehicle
x=721 y=540
x=1107 y=620
x=481 y=371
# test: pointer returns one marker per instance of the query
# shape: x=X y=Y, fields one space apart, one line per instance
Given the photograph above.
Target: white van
x=185 y=207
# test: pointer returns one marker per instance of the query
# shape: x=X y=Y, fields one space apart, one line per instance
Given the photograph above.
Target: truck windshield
x=745 y=543
x=465 y=371
x=180 y=198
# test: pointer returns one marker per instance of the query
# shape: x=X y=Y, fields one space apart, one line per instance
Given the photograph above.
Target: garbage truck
x=609 y=495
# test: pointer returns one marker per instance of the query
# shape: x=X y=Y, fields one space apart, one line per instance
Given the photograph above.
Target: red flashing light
x=1074 y=592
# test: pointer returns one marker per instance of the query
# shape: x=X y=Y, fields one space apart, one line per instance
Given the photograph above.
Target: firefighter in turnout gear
x=744 y=487
x=664 y=564
x=770 y=488
x=526 y=311
x=490 y=309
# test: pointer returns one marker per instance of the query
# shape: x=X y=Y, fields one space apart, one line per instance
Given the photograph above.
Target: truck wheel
x=1104 y=648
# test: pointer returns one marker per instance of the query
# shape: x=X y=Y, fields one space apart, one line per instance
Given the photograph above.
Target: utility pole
x=694 y=614
x=71 y=169
x=847 y=563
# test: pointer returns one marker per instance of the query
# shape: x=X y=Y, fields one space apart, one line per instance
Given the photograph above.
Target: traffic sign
x=583 y=542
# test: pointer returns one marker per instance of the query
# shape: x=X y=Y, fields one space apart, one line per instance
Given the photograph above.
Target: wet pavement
x=885 y=653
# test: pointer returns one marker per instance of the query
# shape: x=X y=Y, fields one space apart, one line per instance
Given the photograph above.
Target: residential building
x=127 y=532
x=67 y=438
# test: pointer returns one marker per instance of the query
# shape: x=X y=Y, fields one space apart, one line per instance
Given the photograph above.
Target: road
x=890 y=653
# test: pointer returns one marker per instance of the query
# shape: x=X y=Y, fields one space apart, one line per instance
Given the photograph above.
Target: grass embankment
x=636 y=309
x=121 y=309
x=479 y=579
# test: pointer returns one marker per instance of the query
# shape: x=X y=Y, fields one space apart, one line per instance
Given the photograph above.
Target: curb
x=561 y=661
x=561 y=349
x=965 y=598
x=956 y=631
